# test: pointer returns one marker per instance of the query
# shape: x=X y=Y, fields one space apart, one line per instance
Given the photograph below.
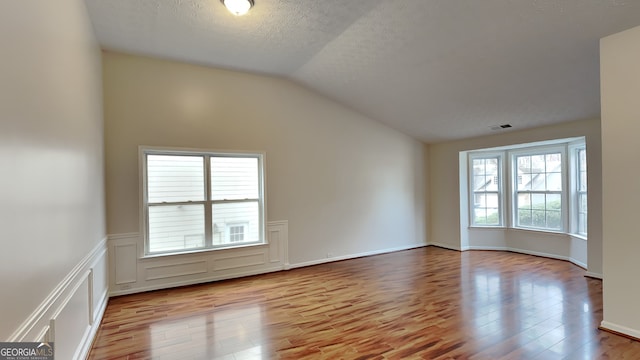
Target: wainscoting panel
x=238 y=261
x=71 y=314
x=72 y=323
x=131 y=272
x=176 y=270
x=125 y=256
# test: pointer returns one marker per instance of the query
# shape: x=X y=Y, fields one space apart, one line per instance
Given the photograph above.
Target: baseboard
x=529 y=252
x=355 y=256
x=446 y=246
x=593 y=275
x=620 y=330
x=76 y=305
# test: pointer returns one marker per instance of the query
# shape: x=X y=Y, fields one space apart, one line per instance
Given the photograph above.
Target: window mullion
x=208 y=208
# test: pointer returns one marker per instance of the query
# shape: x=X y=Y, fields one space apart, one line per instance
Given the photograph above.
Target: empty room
x=370 y=179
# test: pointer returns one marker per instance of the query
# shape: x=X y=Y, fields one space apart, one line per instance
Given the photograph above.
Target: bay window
x=544 y=187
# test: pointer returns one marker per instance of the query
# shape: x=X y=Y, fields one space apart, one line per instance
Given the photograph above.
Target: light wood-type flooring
x=426 y=303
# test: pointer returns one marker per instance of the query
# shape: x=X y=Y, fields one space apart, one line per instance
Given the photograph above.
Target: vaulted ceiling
x=434 y=69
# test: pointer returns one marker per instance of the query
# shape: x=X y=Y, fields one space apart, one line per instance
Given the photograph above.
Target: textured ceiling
x=435 y=69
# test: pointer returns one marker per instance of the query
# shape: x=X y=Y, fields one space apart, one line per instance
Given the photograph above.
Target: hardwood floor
x=427 y=303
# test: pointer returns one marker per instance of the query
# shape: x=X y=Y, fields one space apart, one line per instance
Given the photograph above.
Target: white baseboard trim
x=358 y=255
x=446 y=246
x=529 y=252
x=593 y=275
x=193 y=282
x=606 y=325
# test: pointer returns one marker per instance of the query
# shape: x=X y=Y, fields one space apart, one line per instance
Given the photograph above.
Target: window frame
x=501 y=199
x=208 y=202
x=536 y=151
x=568 y=148
x=575 y=149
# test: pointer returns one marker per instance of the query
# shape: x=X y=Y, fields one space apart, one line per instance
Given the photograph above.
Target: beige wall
x=620 y=77
x=346 y=184
x=51 y=187
x=445 y=190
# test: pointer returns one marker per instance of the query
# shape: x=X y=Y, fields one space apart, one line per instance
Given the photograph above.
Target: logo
x=26 y=351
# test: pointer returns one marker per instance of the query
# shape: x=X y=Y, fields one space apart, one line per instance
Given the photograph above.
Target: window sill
x=200 y=251
x=497 y=227
x=578 y=236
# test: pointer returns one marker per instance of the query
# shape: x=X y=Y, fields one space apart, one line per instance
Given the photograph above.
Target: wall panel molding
x=131 y=273
x=69 y=315
x=166 y=271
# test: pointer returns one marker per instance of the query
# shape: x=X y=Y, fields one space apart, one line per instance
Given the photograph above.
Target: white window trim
x=539 y=150
x=501 y=182
x=574 y=149
x=509 y=190
x=143 y=151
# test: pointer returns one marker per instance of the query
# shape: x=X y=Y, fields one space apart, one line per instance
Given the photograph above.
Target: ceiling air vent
x=500 y=127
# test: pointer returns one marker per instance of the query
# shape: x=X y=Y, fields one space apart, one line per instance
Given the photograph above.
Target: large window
x=545 y=187
x=486 y=196
x=538 y=190
x=201 y=200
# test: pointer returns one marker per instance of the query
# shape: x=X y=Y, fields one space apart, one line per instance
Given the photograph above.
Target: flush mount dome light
x=238 y=7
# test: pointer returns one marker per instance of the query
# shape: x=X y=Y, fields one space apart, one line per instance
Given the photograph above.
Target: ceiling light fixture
x=238 y=7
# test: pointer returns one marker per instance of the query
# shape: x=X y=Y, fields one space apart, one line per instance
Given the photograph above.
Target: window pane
x=176 y=227
x=582 y=213
x=583 y=203
x=229 y=218
x=538 y=218
x=479 y=183
x=538 y=201
x=554 y=181
x=480 y=216
x=491 y=167
x=524 y=182
x=174 y=178
x=234 y=178
x=524 y=217
x=554 y=220
x=538 y=165
x=554 y=202
x=553 y=162
x=524 y=201
x=524 y=164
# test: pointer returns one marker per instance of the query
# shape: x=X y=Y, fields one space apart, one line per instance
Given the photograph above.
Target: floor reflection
x=228 y=333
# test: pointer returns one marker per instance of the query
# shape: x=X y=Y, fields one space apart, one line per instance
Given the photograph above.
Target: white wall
x=346 y=185
x=620 y=89
x=52 y=266
x=450 y=229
